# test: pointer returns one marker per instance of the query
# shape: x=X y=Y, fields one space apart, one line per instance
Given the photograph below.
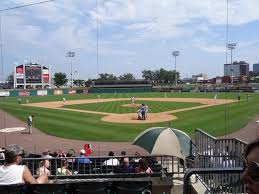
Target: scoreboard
x=31 y=74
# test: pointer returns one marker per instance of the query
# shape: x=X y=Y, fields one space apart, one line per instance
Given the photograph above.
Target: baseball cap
x=82 y=151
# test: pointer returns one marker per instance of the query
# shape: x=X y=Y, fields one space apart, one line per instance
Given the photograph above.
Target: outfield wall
x=41 y=92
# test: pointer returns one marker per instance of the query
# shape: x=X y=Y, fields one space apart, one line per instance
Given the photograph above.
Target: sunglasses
x=251 y=170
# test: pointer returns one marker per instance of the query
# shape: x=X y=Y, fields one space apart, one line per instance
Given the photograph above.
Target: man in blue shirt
x=82 y=159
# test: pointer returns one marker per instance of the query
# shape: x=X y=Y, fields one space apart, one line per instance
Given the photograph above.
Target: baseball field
x=112 y=117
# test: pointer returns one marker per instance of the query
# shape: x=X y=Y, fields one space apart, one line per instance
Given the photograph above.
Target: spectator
x=64 y=169
x=137 y=157
x=143 y=167
x=251 y=167
x=82 y=159
x=44 y=168
x=88 y=149
x=70 y=153
x=123 y=153
x=111 y=161
x=2 y=156
x=13 y=173
x=126 y=167
x=46 y=154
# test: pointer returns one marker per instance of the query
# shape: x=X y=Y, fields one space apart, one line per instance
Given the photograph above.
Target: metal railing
x=217 y=151
x=218 y=180
x=97 y=167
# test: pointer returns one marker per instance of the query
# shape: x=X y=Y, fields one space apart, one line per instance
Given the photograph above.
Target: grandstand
x=120 y=86
x=215 y=168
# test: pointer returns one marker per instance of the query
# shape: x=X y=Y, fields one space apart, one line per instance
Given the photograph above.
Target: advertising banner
x=58 y=92
x=42 y=92
x=4 y=93
x=72 y=91
x=19 y=72
x=24 y=93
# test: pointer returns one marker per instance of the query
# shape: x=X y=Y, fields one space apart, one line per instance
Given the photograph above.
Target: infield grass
x=215 y=120
x=117 y=106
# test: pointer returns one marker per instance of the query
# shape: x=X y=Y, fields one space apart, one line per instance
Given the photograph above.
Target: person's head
x=46 y=152
x=126 y=162
x=70 y=153
x=123 y=153
x=137 y=154
x=111 y=153
x=45 y=163
x=64 y=163
x=251 y=167
x=13 y=154
x=82 y=152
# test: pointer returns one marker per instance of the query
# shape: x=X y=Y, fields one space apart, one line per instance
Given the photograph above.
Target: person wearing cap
x=82 y=159
x=46 y=154
x=14 y=173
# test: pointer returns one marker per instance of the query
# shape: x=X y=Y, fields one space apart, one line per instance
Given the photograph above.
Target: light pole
x=175 y=54
x=71 y=55
x=231 y=47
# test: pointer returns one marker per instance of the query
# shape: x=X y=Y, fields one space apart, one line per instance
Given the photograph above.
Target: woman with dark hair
x=251 y=167
x=143 y=167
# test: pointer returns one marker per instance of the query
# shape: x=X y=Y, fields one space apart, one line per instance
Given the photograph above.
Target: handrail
x=190 y=172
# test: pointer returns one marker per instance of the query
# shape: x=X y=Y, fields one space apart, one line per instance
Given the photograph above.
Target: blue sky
x=133 y=35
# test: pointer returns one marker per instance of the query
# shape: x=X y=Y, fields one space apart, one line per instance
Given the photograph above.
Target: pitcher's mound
x=132 y=118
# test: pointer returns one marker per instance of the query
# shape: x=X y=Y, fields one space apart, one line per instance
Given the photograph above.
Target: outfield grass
x=116 y=106
x=85 y=126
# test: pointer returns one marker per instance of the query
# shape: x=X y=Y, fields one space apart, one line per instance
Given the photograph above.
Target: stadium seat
x=12 y=189
x=90 y=188
x=132 y=187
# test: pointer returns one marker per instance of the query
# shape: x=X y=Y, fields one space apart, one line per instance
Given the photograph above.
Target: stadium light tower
x=175 y=54
x=231 y=47
x=71 y=54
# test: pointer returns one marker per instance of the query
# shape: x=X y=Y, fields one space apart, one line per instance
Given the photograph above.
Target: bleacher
x=217 y=168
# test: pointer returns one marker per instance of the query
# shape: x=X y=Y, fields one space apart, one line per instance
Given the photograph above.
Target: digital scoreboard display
x=33 y=74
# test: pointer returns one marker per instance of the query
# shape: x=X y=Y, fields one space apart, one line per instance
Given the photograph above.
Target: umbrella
x=165 y=141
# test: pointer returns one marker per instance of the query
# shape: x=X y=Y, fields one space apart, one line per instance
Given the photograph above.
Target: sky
x=134 y=35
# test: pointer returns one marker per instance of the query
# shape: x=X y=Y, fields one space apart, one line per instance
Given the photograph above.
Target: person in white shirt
x=132 y=100
x=14 y=173
x=30 y=122
x=111 y=161
x=64 y=100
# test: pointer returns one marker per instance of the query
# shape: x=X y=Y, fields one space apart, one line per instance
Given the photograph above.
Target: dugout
x=121 y=86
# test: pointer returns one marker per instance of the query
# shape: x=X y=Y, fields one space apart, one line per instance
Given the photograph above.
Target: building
x=200 y=77
x=238 y=69
x=256 y=68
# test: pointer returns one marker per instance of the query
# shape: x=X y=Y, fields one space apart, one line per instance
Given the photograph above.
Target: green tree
x=127 y=76
x=148 y=75
x=79 y=82
x=107 y=76
x=60 y=79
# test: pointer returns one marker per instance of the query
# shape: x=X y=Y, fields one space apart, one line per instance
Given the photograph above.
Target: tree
x=127 y=76
x=60 y=79
x=107 y=76
x=79 y=82
x=148 y=75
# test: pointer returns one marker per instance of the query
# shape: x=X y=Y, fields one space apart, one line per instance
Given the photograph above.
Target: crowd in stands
x=12 y=172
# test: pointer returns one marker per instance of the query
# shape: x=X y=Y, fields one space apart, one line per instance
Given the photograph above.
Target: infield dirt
x=132 y=117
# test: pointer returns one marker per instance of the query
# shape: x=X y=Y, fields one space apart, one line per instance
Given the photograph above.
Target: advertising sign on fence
x=4 y=93
x=72 y=91
x=42 y=92
x=58 y=92
x=24 y=93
